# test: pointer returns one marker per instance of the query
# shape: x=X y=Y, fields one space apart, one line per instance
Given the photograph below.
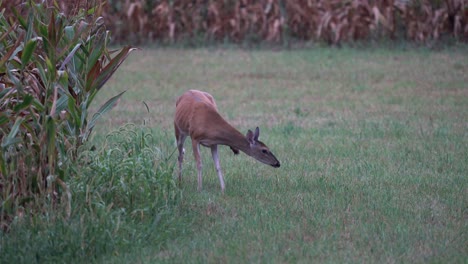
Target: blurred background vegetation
x=277 y=21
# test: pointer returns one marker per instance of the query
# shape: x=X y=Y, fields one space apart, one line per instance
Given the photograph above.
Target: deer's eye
x=264 y=151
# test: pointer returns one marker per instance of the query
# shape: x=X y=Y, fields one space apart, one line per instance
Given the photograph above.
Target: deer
x=197 y=116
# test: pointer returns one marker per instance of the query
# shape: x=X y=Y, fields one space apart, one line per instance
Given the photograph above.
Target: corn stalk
x=333 y=21
x=51 y=68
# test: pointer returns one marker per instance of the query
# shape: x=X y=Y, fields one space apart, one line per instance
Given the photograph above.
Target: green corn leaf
x=85 y=49
x=4 y=92
x=69 y=56
x=39 y=107
x=18 y=49
x=95 y=55
x=30 y=130
x=12 y=75
x=79 y=60
x=10 y=52
x=106 y=107
x=42 y=29
x=63 y=79
x=74 y=115
x=28 y=51
x=27 y=100
x=42 y=74
x=52 y=31
x=71 y=38
x=19 y=17
x=111 y=67
x=11 y=138
x=69 y=32
x=3 y=119
x=59 y=27
x=30 y=27
x=51 y=70
x=9 y=28
x=2 y=170
x=62 y=103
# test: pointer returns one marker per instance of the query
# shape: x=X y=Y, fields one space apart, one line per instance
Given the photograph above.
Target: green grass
x=123 y=195
x=372 y=142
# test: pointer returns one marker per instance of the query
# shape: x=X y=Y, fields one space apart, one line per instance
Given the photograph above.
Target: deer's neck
x=228 y=135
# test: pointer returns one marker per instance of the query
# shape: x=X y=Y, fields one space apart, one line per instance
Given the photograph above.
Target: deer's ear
x=257 y=134
x=250 y=137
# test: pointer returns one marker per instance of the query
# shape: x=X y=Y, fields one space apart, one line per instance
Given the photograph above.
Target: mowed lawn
x=373 y=145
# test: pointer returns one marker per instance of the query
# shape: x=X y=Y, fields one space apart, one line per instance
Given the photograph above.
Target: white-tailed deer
x=197 y=116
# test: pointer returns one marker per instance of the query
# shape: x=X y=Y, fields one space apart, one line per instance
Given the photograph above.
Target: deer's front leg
x=196 y=154
x=214 y=153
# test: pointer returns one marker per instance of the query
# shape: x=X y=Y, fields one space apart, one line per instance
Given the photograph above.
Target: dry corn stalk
x=333 y=21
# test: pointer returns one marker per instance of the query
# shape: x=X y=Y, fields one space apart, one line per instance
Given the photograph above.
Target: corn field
x=51 y=68
x=270 y=20
x=332 y=21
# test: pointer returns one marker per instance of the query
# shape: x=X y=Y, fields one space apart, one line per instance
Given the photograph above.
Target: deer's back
x=195 y=110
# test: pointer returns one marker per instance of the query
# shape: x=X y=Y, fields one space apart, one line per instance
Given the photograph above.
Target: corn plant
x=334 y=21
x=51 y=68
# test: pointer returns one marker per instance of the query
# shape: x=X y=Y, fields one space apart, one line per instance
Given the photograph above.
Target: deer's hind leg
x=180 y=138
x=196 y=154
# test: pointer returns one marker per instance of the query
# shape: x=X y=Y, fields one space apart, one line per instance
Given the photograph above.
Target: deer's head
x=259 y=150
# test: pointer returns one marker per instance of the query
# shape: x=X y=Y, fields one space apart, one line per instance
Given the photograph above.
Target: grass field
x=373 y=145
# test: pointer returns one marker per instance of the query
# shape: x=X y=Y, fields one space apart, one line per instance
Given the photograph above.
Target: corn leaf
x=3 y=119
x=19 y=17
x=28 y=51
x=27 y=100
x=74 y=114
x=38 y=105
x=10 y=52
x=8 y=31
x=106 y=107
x=111 y=67
x=69 y=56
x=11 y=138
x=4 y=92
x=4 y=172
x=52 y=31
x=50 y=70
x=69 y=32
x=62 y=103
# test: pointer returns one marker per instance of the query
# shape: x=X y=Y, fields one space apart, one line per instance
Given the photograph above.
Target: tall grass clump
x=122 y=201
x=51 y=68
x=123 y=172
